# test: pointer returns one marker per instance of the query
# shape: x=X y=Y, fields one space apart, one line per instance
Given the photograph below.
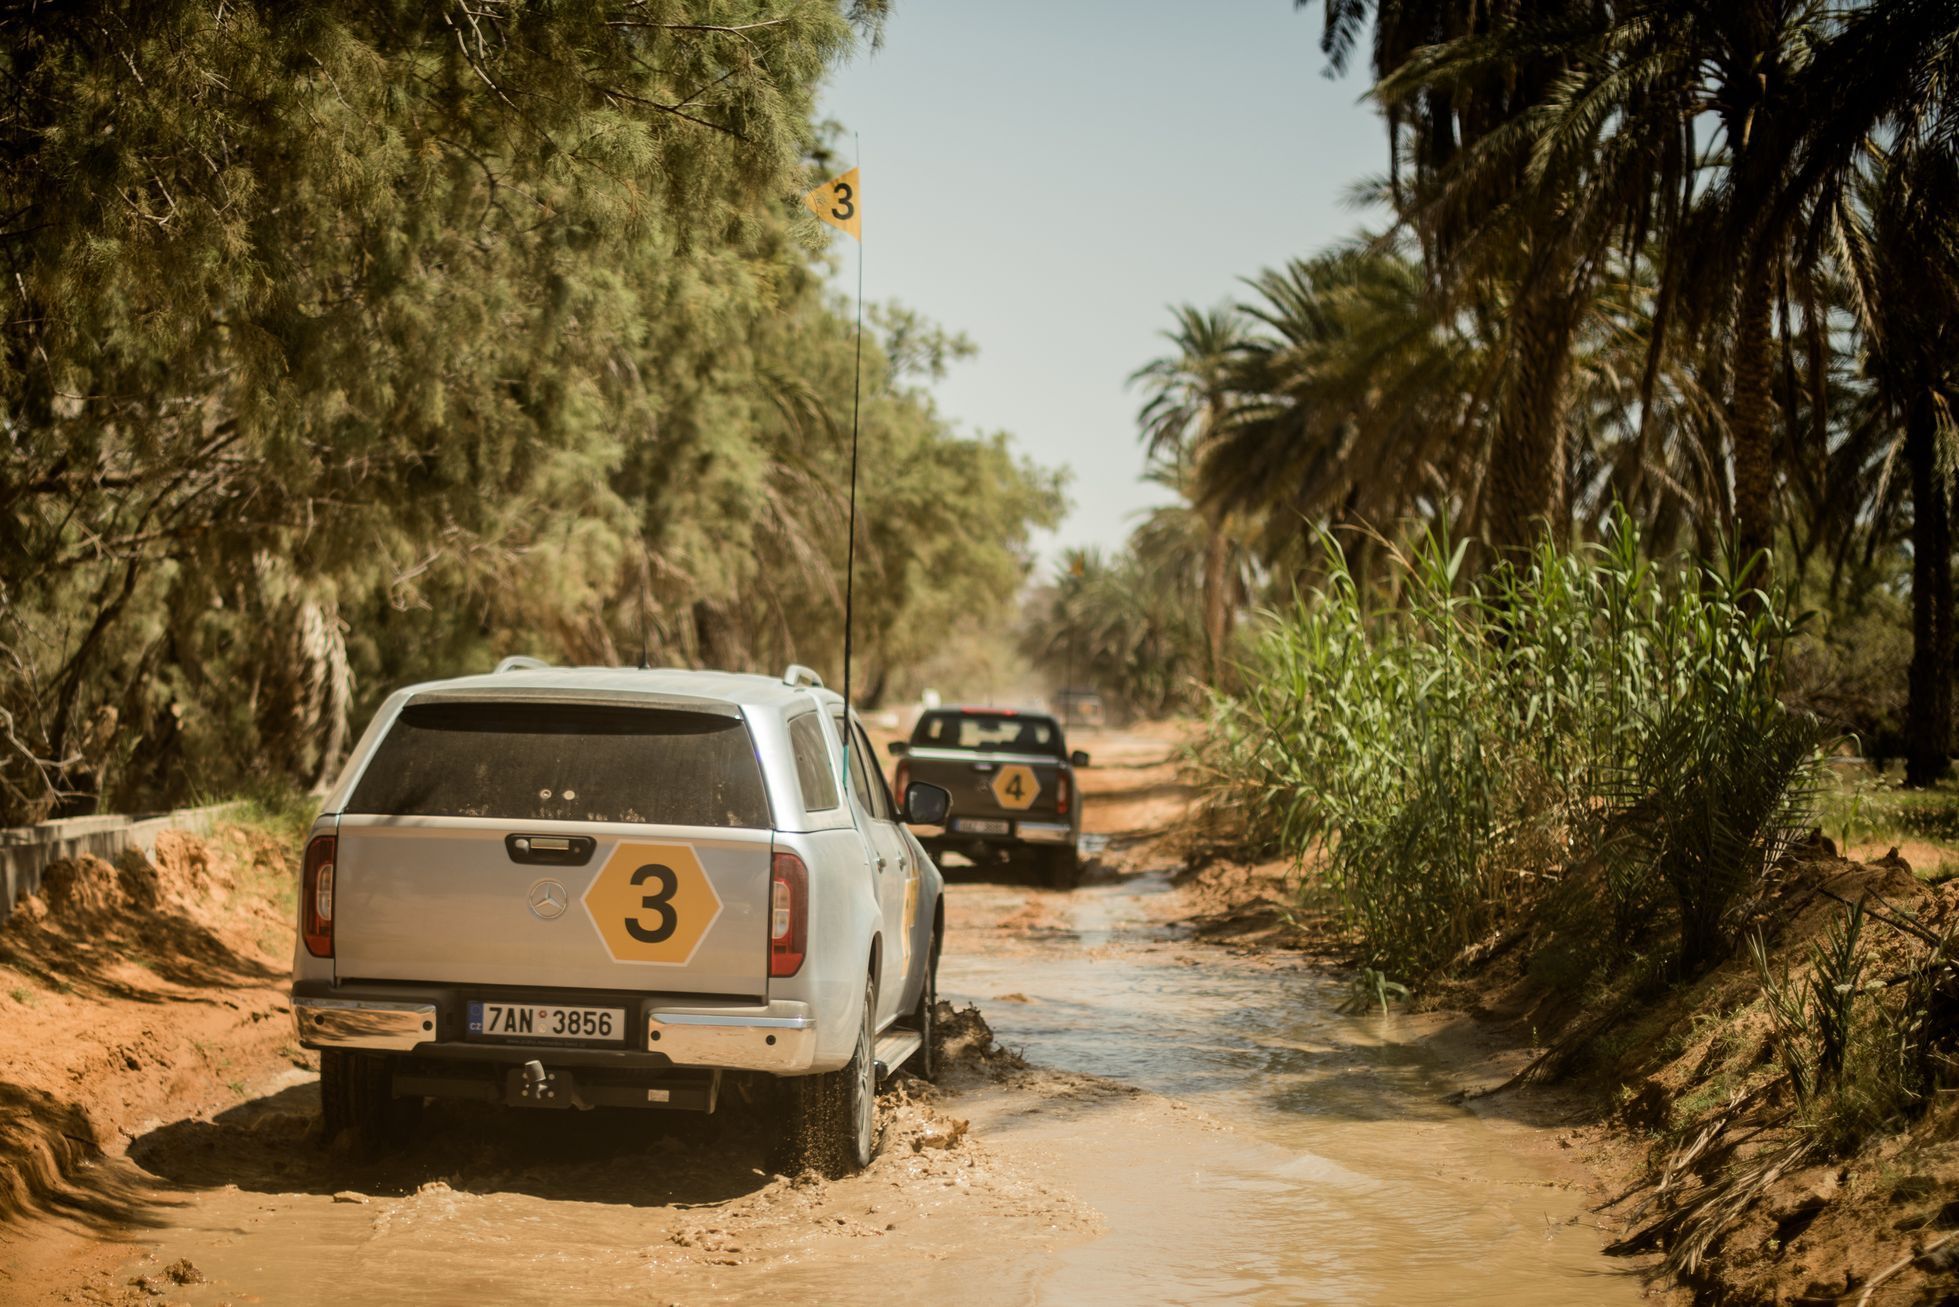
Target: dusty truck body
x=590 y=887
x=1012 y=781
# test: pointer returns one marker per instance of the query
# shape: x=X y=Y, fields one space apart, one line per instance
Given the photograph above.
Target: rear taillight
x=788 y=914
x=901 y=779
x=1061 y=792
x=316 y=897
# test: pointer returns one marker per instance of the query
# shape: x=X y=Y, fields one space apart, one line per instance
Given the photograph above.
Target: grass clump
x=1867 y=813
x=278 y=808
x=1860 y=1049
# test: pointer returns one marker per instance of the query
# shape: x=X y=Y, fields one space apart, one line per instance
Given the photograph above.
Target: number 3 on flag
x=840 y=203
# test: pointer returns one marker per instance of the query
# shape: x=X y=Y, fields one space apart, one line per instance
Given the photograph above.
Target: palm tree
x=1175 y=545
x=1366 y=402
x=1616 y=132
x=1359 y=402
x=1800 y=96
x=1889 y=65
x=1894 y=236
x=1190 y=395
x=1127 y=623
x=1650 y=444
x=1506 y=250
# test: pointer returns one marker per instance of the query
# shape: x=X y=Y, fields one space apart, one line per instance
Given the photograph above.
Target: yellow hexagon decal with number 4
x=1015 y=786
x=653 y=903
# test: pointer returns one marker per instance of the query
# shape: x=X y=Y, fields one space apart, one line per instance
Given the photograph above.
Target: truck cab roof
x=741 y=689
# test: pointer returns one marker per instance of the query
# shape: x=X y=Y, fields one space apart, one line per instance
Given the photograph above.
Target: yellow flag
x=840 y=203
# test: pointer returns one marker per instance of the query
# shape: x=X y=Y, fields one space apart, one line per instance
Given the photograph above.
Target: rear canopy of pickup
x=998 y=764
x=547 y=840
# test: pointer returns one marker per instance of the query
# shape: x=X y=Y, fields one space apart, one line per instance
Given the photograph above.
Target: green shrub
x=1718 y=787
x=1448 y=750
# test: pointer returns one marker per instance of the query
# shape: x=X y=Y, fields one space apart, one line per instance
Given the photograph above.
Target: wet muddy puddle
x=1194 y=1127
x=1281 y=1151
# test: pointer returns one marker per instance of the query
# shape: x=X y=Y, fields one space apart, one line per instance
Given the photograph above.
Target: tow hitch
x=532 y=1086
x=555 y=1088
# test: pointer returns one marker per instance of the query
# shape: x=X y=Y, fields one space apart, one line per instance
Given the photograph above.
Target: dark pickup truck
x=1012 y=782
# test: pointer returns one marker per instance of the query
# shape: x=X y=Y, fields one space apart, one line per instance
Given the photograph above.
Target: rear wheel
x=832 y=1119
x=925 y=1062
x=1061 y=868
x=357 y=1093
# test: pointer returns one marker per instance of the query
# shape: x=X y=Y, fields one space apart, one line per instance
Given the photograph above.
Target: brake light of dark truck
x=316 y=897
x=1061 y=792
x=788 y=914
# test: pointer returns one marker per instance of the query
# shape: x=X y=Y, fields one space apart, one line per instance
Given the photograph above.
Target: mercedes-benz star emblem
x=548 y=900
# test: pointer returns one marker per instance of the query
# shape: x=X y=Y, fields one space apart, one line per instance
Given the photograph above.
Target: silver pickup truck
x=586 y=887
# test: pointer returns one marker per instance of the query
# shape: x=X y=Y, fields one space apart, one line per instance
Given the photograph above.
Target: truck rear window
x=565 y=762
x=1000 y=732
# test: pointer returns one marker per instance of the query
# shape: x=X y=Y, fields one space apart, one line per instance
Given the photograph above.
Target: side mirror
x=1078 y=758
x=927 y=804
x=898 y=748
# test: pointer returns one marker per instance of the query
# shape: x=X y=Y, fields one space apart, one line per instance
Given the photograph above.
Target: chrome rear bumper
x=363 y=1023
x=779 y=1037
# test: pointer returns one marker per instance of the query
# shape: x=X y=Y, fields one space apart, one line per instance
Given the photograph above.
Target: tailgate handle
x=550 y=850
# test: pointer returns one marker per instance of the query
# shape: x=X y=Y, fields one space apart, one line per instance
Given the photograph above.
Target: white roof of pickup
x=746 y=689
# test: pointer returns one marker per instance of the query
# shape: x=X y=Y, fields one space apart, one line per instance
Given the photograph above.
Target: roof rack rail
x=801 y=675
x=521 y=663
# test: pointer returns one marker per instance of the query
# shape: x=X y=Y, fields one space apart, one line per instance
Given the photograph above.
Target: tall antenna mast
x=856 y=388
x=840 y=203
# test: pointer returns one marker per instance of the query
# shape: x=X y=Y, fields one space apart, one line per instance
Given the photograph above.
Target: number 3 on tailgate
x=652 y=903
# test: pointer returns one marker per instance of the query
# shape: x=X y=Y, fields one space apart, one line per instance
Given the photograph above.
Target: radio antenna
x=850 y=548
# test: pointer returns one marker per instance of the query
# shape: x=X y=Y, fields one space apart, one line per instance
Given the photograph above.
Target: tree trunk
x=1526 y=492
x=1928 y=713
x=874 y=696
x=1752 y=418
x=1217 y=600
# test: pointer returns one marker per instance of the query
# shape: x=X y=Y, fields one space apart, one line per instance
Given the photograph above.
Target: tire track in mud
x=1244 y=1141
x=488 y=1205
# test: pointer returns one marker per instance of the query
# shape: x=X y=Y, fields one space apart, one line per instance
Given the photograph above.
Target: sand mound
x=77 y=889
x=117 y=980
x=184 y=875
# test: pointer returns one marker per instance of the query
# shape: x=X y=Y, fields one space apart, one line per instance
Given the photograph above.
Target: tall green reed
x=1445 y=749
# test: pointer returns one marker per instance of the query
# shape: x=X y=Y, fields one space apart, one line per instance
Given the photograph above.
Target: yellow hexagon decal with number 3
x=652 y=903
x=1015 y=786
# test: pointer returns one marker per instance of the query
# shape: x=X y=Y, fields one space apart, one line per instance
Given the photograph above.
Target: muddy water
x=1194 y=1127
x=1307 y=1156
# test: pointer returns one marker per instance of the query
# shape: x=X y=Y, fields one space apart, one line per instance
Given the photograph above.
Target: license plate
x=980 y=825
x=545 y=1021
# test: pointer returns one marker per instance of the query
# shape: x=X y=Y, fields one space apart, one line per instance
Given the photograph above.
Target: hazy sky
x=1048 y=175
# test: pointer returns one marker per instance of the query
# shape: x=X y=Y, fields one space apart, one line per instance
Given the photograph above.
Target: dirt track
x=1191 y=1123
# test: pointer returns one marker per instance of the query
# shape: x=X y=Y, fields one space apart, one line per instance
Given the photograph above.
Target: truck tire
x=1061 y=868
x=357 y=1093
x=831 y=1124
x=925 y=1019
